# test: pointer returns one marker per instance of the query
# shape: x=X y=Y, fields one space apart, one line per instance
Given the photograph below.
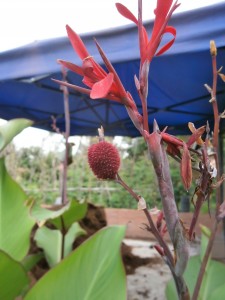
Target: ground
x=148 y=280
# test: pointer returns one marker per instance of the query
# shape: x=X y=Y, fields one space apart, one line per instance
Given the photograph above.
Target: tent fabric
x=176 y=83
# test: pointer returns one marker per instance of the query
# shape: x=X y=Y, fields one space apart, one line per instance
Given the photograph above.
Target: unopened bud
x=213 y=49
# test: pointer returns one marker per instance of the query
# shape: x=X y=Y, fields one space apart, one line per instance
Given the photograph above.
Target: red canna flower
x=104 y=160
x=100 y=83
x=163 y=13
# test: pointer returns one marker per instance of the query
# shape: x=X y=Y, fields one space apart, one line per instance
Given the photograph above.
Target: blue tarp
x=176 y=84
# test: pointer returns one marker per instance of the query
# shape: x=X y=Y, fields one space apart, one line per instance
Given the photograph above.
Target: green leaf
x=214 y=277
x=42 y=214
x=190 y=277
x=191 y=273
x=13 y=278
x=171 y=293
x=205 y=230
x=93 y=271
x=9 y=130
x=51 y=242
x=15 y=221
x=74 y=232
x=75 y=213
x=218 y=294
x=212 y=281
x=31 y=260
x=204 y=244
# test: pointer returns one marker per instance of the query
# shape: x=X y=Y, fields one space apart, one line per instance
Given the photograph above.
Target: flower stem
x=218 y=194
x=67 y=133
x=179 y=281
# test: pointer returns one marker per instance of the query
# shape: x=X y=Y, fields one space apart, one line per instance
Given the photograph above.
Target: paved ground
x=149 y=281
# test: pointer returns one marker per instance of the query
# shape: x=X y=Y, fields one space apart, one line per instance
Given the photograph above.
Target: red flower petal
x=168 y=138
x=185 y=168
x=77 y=43
x=143 y=36
x=121 y=91
x=161 y=12
x=125 y=12
x=72 y=86
x=101 y=88
x=166 y=47
x=71 y=66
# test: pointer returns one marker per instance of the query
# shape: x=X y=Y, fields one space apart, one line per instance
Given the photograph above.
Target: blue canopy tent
x=176 y=84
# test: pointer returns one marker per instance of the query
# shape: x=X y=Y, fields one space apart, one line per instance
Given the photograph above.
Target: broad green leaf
x=190 y=277
x=205 y=230
x=31 y=260
x=74 y=232
x=15 y=221
x=191 y=272
x=218 y=293
x=13 y=278
x=42 y=214
x=204 y=244
x=75 y=213
x=9 y=130
x=93 y=271
x=214 y=278
x=204 y=240
x=51 y=242
x=171 y=293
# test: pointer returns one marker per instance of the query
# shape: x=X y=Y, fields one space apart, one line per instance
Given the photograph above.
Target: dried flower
x=104 y=160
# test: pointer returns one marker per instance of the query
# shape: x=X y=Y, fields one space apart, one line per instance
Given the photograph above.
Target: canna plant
x=54 y=228
x=104 y=159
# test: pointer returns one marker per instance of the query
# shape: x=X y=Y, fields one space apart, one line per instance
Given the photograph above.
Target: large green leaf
x=218 y=293
x=51 y=242
x=75 y=213
x=214 y=279
x=192 y=270
x=42 y=214
x=13 y=277
x=31 y=260
x=9 y=130
x=94 y=271
x=74 y=232
x=190 y=276
x=15 y=221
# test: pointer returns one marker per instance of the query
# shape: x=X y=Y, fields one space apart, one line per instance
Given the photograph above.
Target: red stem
x=179 y=281
x=154 y=230
x=216 y=150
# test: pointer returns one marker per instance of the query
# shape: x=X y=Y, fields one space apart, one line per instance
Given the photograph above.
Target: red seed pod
x=104 y=160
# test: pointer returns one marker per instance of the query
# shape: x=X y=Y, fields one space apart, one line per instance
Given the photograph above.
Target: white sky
x=24 y=21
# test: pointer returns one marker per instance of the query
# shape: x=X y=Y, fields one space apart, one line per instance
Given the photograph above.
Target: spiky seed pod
x=104 y=160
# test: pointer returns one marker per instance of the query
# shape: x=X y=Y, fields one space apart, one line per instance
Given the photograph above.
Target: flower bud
x=104 y=160
x=213 y=49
